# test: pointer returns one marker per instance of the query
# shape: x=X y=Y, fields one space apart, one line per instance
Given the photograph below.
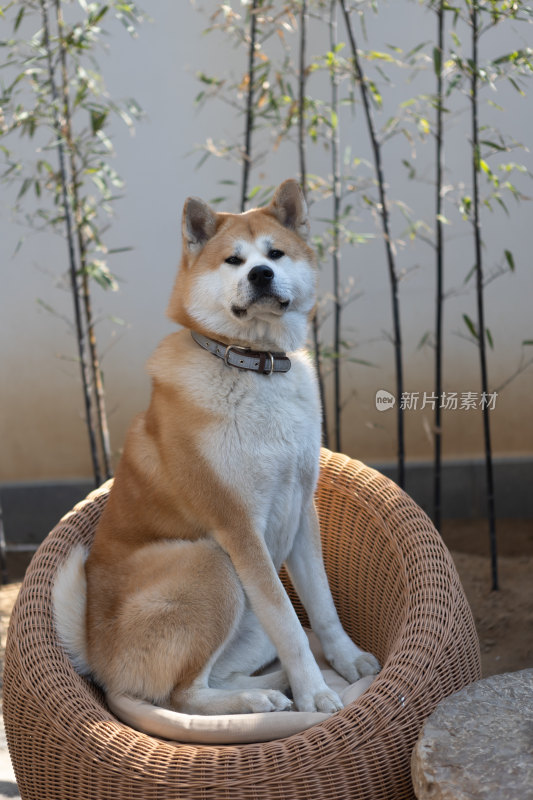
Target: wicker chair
x=398 y=595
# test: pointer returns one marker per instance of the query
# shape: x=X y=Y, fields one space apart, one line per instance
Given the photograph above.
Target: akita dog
x=182 y=602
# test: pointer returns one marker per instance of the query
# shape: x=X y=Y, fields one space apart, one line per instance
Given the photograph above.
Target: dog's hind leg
x=225 y=686
x=180 y=602
x=247 y=652
x=249 y=694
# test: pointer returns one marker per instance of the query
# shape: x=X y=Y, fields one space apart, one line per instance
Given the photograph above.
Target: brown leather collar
x=262 y=361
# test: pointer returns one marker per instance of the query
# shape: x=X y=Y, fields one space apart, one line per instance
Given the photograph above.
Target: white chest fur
x=263 y=441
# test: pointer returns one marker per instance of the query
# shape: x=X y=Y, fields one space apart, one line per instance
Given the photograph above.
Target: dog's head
x=247 y=278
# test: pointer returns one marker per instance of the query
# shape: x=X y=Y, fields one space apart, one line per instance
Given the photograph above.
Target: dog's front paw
x=367 y=664
x=351 y=662
x=327 y=701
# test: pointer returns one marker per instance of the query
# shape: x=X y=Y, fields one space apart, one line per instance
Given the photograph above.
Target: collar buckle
x=228 y=352
x=271 y=370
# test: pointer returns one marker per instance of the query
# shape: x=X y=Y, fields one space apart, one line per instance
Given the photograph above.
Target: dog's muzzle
x=261 y=291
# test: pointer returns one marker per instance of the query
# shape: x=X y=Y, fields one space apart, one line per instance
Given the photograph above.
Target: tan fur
x=148 y=633
x=182 y=576
x=163 y=490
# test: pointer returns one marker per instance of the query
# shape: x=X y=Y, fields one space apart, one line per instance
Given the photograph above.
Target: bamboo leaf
x=453 y=83
x=94 y=19
x=374 y=55
x=470 y=325
x=361 y=361
x=19 y=18
x=101 y=274
x=26 y=183
x=409 y=166
x=98 y=119
x=115 y=250
x=489 y=338
x=502 y=204
x=465 y=206
x=510 y=260
x=424 y=340
x=469 y=275
x=528 y=342
x=494 y=145
x=515 y=86
x=376 y=96
x=424 y=125
x=46 y=306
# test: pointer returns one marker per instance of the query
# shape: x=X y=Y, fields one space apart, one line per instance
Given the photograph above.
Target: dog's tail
x=69 y=599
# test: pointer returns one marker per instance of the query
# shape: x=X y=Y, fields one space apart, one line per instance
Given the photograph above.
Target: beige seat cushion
x=233 y=728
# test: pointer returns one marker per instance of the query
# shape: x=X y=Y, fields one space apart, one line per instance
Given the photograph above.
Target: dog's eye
x=274 y=255
x=235 y=261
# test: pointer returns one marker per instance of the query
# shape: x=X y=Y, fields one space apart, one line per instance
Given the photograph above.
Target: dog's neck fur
x=257 y=334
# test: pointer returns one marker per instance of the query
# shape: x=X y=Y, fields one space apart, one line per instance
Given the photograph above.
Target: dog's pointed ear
x=289 y=207
x=198 y=224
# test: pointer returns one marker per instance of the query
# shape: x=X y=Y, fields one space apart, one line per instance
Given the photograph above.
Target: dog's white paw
x=261 y=700
x=351 y=662
x=327 y=701
x=367 y=664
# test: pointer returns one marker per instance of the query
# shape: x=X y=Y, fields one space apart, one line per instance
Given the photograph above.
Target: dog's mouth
x=277 y=305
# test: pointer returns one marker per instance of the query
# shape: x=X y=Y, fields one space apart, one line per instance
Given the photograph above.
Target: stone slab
x=478 y=743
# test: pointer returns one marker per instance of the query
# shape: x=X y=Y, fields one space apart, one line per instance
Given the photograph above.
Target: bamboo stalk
x=249 y=117
x=336 y=254
x=480 y=296
x=384 y=214
x=97 y=385
x=302 y=75
x=439 y=243
x=315 y=324
x=73 y=271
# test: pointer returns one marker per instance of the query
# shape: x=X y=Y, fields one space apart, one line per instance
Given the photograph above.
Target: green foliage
x=278 y=118
x=29 y=110
x=55 y=96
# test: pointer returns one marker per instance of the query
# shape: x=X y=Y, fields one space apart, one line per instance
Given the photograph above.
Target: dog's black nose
x=261 y=276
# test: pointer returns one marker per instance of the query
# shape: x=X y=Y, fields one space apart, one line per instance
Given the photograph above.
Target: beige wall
x=42 y=435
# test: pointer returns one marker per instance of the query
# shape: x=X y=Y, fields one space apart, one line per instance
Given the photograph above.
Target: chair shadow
x=9 y=789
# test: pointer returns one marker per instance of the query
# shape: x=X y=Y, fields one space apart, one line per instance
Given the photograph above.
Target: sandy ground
x=504 y=618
